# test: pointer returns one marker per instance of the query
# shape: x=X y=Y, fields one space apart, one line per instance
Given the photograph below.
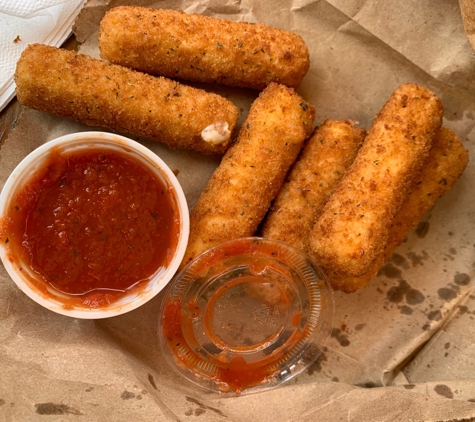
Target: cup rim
x=158 y=282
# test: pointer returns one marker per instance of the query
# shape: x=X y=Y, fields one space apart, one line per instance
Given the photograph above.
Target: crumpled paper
x=386 y=358
x=29 y=21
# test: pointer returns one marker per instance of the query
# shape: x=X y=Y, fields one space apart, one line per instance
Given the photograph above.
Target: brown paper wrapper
x=401 y=349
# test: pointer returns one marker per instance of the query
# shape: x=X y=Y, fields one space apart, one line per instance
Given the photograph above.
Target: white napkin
x=26 y=22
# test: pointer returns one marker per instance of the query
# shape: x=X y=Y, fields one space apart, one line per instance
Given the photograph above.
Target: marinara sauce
x=93 y=223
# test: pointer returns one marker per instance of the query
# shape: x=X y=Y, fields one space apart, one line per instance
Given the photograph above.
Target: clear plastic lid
x=245 y=316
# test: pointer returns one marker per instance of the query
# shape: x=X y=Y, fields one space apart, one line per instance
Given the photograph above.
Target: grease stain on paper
x=399 y=261
x=447 y=294
x=341 y=337
x=202 y=408
x=127 y=395
x=390 y=271
x=422 y=229
x=317 y=365
x=2 y=402
x=416 y=259
x=462 y=279
x=396 y=294
x=151 y=380
x=444 y=390
x=434 y=315
x=55 y=409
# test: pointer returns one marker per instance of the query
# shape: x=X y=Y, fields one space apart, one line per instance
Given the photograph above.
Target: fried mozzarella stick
x=322 y=163
x=252 y=171
x=446 y=163
x=100 y=94
x=201 y=48
x=354 y=226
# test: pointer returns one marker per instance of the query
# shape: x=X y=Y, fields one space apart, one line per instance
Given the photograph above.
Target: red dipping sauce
x=92 y=223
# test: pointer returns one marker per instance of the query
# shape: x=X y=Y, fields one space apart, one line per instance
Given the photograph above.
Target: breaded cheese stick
x=201 y=48
x=354 y=226
x=326 y=156
x=100 y=94
x=446 y=163
x=252 y=171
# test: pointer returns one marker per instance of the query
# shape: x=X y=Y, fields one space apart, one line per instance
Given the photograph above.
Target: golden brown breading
x=100 y=94
x=201 y=48
x=252 y=171
x=354 y=226
x=324 y=160
x=446 y=163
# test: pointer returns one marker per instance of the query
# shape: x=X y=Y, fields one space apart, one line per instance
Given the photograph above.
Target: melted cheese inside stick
x=96 y=93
